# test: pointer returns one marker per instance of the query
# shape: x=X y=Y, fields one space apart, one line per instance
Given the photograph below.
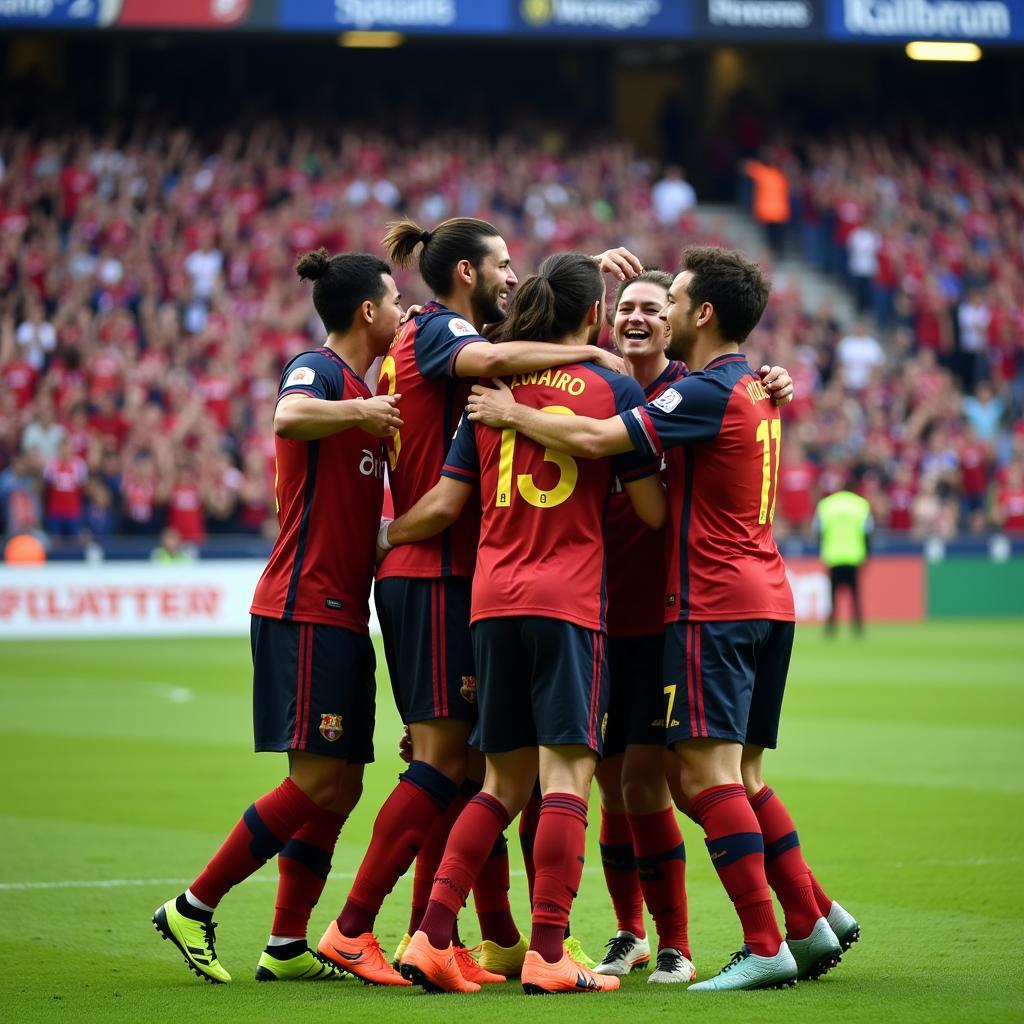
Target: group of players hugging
x=580 y=580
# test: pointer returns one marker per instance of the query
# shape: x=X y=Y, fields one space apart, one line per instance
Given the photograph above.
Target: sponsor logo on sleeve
x=667 y=400
x=461 y=328
x=301 y=375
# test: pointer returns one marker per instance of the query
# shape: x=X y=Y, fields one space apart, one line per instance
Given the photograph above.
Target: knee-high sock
x=422 y=794
x=736 y=847
x=528 y=818
x=471 y=840
x=259 y=834
x=618 y=859
x=558 y=859
x=661 y=863
x=429 y=858
x=784 y=864
x=302 y=867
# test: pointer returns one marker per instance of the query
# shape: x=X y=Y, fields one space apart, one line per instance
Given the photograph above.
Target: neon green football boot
x=507 y=960
x=575 y=950
x=396 y=960
x=195 y=940
x=305 y=965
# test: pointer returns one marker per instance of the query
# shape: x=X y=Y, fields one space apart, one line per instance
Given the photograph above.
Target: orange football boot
x=435 y=970
x=472 y=971
x=361 y=956
x=540 y=978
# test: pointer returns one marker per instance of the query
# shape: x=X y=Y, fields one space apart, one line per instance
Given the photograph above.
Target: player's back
x=541 y=548
x=723 y=497
x=420 y=367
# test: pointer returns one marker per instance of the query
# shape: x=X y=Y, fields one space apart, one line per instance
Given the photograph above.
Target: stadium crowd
x=149 y=302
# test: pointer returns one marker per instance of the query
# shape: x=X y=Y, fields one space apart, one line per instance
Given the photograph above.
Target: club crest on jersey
x=468 y=689
x=331 y=727
x=461 y=328
x=668 y=400
x=300 y=375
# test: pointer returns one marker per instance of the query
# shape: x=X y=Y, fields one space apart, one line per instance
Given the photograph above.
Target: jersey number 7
x=530 y=492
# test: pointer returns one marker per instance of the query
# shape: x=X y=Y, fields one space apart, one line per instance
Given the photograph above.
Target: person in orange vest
x=771 y=197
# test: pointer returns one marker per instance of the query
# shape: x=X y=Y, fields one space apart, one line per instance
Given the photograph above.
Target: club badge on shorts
x=604 y=726
x=331 y=727
x=468 y=689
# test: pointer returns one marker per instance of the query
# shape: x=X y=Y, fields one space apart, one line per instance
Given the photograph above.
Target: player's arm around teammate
x=313 y=662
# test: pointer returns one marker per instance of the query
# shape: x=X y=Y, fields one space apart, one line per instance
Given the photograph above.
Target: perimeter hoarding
x=449 y=17
x=212 y=598
x=875 y=21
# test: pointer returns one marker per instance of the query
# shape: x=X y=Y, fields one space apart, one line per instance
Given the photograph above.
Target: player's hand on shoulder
x=380 y=414
x=609 y=360
x=620 y=262
x=491 y=406
x=778 y=383
x=410 y=314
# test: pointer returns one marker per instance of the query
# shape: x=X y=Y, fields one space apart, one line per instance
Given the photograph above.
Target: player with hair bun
x=423 y=589
x=313 y=662
x=538 y=627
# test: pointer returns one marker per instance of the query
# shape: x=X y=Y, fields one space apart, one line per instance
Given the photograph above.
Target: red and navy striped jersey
x=722 y=486
x=637 y=555
x=542 y=547
x=329 y=497
x=420 y=366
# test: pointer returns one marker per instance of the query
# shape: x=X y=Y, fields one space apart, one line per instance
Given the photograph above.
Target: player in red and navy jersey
x=313 y=662
x=538 y=607
x=642 y=848
x=729 y=609
x=422 y=591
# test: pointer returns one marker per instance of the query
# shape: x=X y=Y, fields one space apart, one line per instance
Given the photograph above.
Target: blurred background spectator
x=149 y=302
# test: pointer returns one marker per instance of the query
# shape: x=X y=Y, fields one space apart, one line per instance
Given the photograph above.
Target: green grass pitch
x=126 y=762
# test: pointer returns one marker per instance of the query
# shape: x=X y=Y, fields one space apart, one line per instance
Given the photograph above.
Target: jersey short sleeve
x=463 y=459
x=690 y=410
x=440 y=337
x=634 y=465
x=311 y=373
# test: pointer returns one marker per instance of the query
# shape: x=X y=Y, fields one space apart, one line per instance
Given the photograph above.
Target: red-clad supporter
x=797 y=487
x=65 y=477
x=1010 y=500
x=130 y=266
x=185 y=506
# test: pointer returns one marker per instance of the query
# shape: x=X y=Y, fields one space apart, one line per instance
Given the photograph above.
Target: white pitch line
x=269 y=879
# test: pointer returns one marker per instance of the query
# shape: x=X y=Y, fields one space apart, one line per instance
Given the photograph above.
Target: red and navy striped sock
x=259 y=835
x=528 y=818
x=784 y=864
x=661 y=864
x=471 y=840
x=302 y=868
x=558 y=859
x=736 y=846
x=429 y=858
x=618 y=860
x=402 y=824
x=823 y=901
x=490 y=897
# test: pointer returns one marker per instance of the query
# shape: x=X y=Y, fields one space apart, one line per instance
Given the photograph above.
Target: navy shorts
x=726 y=680
x=313 y=689
x=636 y=707
x=543 y=682
x=425 y=624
